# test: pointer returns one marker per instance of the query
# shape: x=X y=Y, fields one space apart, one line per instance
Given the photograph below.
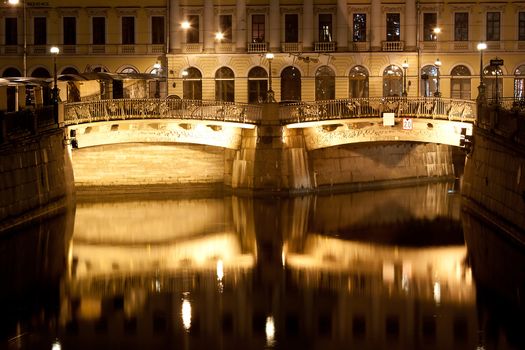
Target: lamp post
x=481 y=88
x=55 y=51
x=157 y=66
x=24 y=19
x=269 y=95
x=405 y=67
x=437 y=64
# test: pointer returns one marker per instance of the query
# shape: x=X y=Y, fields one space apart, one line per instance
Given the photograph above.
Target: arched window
x=96 y=69
x=11 y=72
x=460 y=83
x=324 y=83
x=69 y=70
x=493 y=82
x=519 y=82
x=428 y=80
x=392 y=81
x=40 y=73
x=358 y=82
x=225 y=85
x=129 y=70
x=257 y=85
x=290 y=84
x=192 y=84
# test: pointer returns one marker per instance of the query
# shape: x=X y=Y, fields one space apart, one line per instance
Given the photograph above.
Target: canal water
x=399 y=268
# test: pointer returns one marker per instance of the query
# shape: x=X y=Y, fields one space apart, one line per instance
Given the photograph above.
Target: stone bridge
x=215 y=123
x=266 y=146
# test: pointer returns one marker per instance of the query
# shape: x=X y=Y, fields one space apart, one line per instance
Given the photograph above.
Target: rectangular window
x=258 y=28
x=11 y=31
x=157 y=30
x=429 y=24
x=493 y=26
x=325 y=27
x=291 y=25
x=99 y=30
x=128 y=30
x=192 y=34
x=40 y=30
x=225 y=26
x=359 y=27
x=70 y=30
x=461 y=26
x=393 y=27
x=521 y=26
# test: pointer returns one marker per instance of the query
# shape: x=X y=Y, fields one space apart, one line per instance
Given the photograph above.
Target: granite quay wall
x=494 y=181
x=36 y=177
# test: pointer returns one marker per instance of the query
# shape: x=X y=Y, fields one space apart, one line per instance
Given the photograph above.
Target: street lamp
x=437 y=64
x=14 y=3
x=481 y=88
x=55 y=51
x=157 y=67
x=405 y=67
x=269 y=95
x=436 y=32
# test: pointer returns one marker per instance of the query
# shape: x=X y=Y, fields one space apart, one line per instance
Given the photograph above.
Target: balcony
x=224 y=47
x=461 y=46
x=360 y=46
x=156 y=48
x=493 y=45
x=257 y=47
x=69 y=49
x=291 y=47
x=393 y=46
x=127 y=49
x=192 y=47
x=98 y=49
x=322 y=46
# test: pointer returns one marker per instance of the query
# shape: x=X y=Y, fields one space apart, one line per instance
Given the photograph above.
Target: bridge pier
x=271 y=158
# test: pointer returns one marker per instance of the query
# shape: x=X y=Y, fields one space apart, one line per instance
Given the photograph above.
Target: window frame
x=461 y=30
x=291 y=34
x=40 y=30
x=11 y=31
x=98 y=31
x=493 y=26
x=158 y=38
x=430 y=20
x=69 y=36
x=359 y=29
x=390 y=24
x=128 y=35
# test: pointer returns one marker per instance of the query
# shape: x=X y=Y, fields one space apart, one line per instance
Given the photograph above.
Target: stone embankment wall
x=494 y=180
x=36 y=177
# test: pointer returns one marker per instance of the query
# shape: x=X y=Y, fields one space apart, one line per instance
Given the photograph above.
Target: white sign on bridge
x=407 y=123
x=388 y=119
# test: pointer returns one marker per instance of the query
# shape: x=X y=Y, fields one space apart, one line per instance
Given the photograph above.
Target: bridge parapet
x=374 y=107
x=120 y=109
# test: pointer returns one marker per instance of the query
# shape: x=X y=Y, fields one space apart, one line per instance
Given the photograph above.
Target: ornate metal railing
x=374 y=107
x=119 y=109
x=511 y=104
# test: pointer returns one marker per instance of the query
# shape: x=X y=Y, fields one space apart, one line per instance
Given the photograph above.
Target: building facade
x=322 y=49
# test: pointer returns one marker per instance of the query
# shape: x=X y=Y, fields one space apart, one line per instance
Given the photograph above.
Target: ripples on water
x=371 y=270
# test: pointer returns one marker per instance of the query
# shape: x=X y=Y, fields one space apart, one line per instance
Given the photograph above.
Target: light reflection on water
x=370 y=270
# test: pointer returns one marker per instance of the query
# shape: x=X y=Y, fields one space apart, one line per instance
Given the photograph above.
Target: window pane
x=225 y=26
x=225 y=85
x=99 y=30
x=325 y=27
x=392 y=81
x=192 y=34
x=291 y=24
x=359 y=27
x=70 y=30
x=324 y=84
x=290 y=84
x=358 y=80
x=429 y=23
x=461 y=26
x=157 y=30
x=521 y=26
x=493 y=26
x=40 y=28
x=11 y=31
x=258 y=28
x=128 y=30
x=192 y=85
x=393 y=27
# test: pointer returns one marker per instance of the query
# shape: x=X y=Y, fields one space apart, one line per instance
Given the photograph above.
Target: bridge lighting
x=481 y=88
x=269 y=95
x=437 y=64
x=405 y=67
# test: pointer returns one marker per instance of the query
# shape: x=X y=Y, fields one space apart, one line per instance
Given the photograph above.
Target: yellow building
x=322 y=49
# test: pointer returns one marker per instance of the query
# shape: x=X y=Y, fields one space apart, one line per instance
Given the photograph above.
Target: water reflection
x=370 y=270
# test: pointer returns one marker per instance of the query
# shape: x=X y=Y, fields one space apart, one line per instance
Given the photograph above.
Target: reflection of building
x=333 y=49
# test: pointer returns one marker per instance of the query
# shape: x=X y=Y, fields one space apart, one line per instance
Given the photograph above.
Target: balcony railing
x=360 y=46
x=257 y=47
x=393 y=45
x=321 y=46
x=123 y=109
x=192 y=48
x=291 y=47
x=412 y=107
